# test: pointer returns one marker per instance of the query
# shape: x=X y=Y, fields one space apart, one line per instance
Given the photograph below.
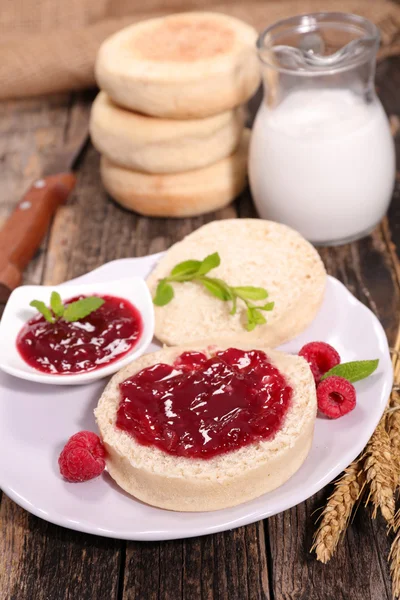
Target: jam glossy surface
x=99 y=339
x=203 y=407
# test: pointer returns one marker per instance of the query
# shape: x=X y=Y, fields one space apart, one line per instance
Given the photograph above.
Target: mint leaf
x=268 y=306
x=234 y=306
x=257 y=317
x=228 y=290
x=210 y=262
x=216 y=288
x=56 y=304
x=164 y=293
x=254 y=317
x=82 y=308
x=250 y=325
x=72 y=312
x=251 y=293
x=186 y=268
x=353 y=371
x=43 y=309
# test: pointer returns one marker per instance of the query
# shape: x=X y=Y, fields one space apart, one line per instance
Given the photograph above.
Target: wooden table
x=266 y=560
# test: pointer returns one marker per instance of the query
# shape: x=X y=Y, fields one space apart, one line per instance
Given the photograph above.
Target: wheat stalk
x=393 y=422
x=393 y=419
x=380 y=466
x=337 y=512
x=376 y=468
x=382 y=453
x=379 y=471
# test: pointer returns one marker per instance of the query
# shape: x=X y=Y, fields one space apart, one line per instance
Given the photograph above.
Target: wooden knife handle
x=22 y=233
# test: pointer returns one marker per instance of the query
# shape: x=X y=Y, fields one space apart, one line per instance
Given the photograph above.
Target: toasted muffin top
x=182 y=39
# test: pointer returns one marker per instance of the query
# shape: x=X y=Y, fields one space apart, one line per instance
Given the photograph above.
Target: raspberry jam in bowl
x=66 y=352
x=201 y=407
x=64 y=347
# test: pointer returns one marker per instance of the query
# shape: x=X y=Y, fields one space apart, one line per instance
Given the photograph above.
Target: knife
x=24 y=230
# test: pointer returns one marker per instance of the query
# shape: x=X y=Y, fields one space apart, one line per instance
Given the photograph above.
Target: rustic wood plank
x=227 y=565
x=31 y=132
x=46 y=562
x=358 y=571
x=389 y=73
x=37 y=559
x=368 y=272
x=27 y=129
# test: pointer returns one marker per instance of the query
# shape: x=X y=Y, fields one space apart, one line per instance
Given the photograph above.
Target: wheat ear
x=393 y=424
x=336 y=514
x=393 y=419
x=379 y=471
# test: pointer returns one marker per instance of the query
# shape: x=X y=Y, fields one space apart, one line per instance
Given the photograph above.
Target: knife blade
x=27 y=225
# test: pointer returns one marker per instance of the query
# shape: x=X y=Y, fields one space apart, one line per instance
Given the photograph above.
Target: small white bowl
x=18 y=312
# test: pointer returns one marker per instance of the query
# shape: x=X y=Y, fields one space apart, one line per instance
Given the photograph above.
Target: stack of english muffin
x=169 y=120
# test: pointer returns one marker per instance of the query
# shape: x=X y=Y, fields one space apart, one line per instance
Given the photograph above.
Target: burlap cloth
x=51 y=45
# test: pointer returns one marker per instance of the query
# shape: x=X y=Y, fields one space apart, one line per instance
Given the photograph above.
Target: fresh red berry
x=321 y=357
x=336 y=396
x=82 y=457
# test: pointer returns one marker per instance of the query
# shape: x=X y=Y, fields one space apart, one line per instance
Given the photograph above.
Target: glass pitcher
x=322 y=157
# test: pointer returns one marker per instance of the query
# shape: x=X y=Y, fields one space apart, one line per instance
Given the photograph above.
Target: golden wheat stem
x=393 y=425
x=337 y=512
x=380 y=472
x=393 y=417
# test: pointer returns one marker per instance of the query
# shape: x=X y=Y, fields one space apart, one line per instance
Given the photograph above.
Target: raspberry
x=82 y=457
x=336 y=396
x=321 y=357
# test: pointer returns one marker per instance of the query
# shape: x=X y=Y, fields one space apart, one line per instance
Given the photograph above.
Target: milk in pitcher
x=322 y=157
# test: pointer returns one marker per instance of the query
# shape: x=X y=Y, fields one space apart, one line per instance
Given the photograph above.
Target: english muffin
x=187 y=65
x=170 y=480
x=179 y=194
x=255 y=253
x=151 y=145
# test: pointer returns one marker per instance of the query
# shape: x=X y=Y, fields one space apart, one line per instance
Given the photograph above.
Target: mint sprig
x=353 y=371
x=56 y=304
x=43 y=309
x=74 y=311
x=197 y=270
x=82 y=308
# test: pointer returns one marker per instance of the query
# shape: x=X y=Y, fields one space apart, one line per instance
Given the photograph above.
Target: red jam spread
x=63 y=348
x=201 y=407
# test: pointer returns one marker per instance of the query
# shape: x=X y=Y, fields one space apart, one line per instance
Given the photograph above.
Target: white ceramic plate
x=36 y=420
